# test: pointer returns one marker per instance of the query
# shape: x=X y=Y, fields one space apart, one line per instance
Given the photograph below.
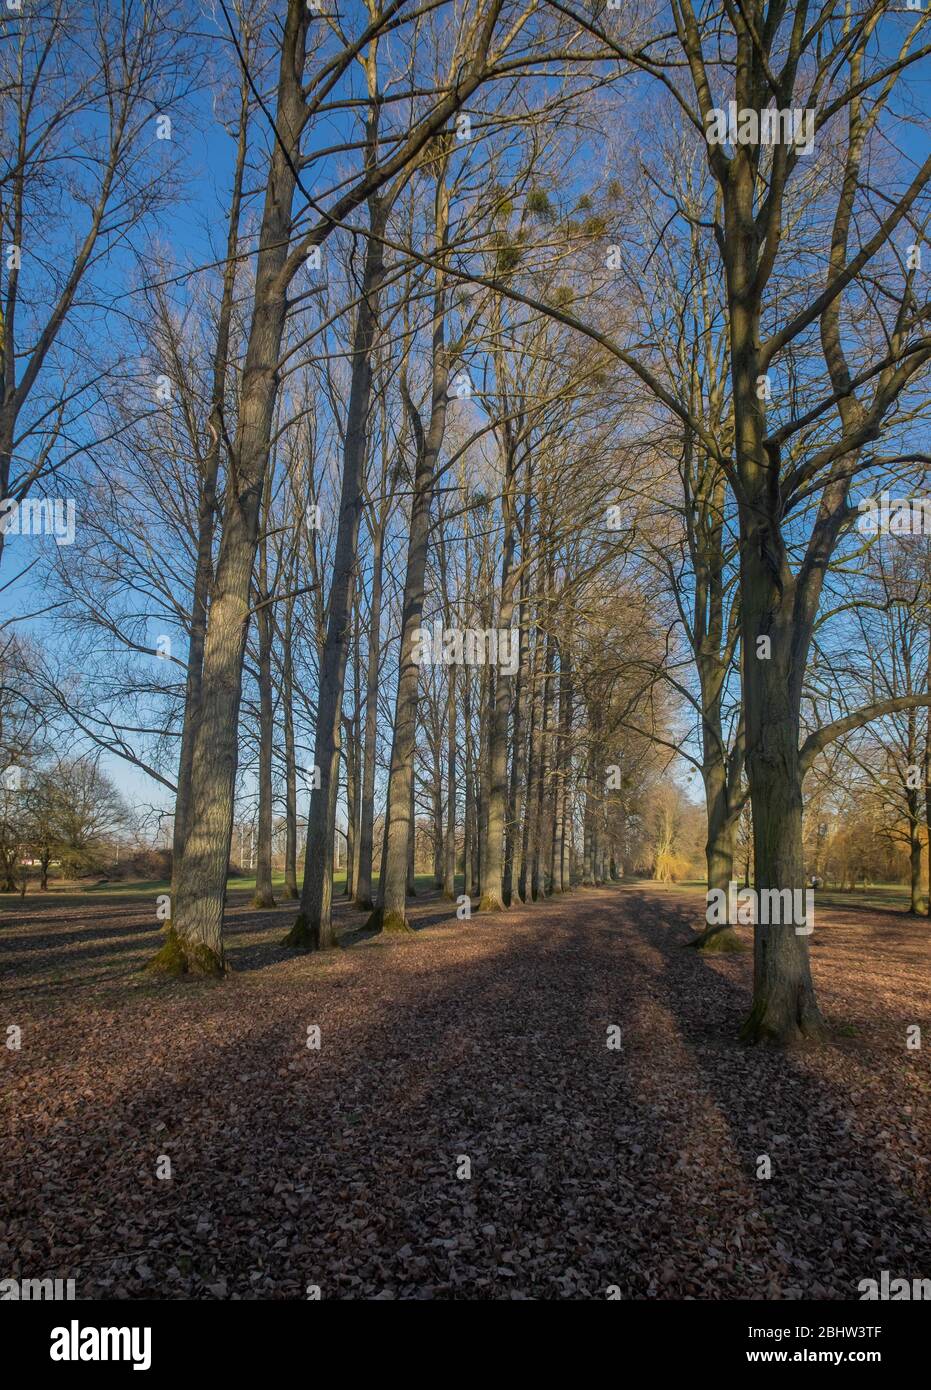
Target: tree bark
x=561 y=757
x=449 y=858
x=313 y=928
x=531 y=817
x=363 y=898
x=206 y=510
x=784 y=1008
x=290 y=890
x=390 y=916
x=264 y=896
x=411 y=882
x=351 y=805
x=469 y=778
x=515 y=784
x=492 y=899
x=719 y=854
x=195 y=939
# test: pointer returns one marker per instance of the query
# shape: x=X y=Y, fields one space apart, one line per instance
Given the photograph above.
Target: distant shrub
x=670 y=868
x=152 y=863
x=143 y=863
x=76 y=863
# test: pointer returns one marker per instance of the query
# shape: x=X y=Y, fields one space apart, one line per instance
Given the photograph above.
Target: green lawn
x=887 y=897
x=74 y=895
x=884 y=897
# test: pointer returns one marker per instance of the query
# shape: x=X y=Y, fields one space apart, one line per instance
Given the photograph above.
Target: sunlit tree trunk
x=468 y=777
x=539 y=885
x=411 y=882
x=515 y=785
x=363 y=898
x=264 y=896
x=313 y=928
x=560 y=883
x=493 y=899
x=195 y=941
x=784 y=1005
x=207 y=502
x=287 y=699
x=390 y=915
x=530 y=855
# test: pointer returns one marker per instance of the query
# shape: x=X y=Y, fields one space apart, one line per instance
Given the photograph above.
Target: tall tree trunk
x=550 y=740
x=353 y=761
x=438 y=835
x=206 y=507
x=264 y=896
x=914 y=859
x=588 y=817
x=777 y=615
x=560 y=771
x=515 y=783
x=469 y=777
x=784 y=1006
x=486 y=708
x=313 y=928
x=195 y=940
x=513 y=829
x=493 y=899
x=438 y=726
x=719 y=853
x=391 y=915
x=351 y=805
x=598 y=820
x=449 y=841
x=411 y=881
x=363 y=897
x=913 y=801
x=550 y=781
x=534 y=747
x=449 y=858
x=713 y=649
x=290 y=890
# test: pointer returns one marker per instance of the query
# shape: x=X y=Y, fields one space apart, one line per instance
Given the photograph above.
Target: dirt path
x=484 y=1040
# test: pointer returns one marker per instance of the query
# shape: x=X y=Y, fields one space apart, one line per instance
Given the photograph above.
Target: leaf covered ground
x=483 y=1040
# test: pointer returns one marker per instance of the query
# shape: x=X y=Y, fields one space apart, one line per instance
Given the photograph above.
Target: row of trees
x=69 y=816
x=472 y=350
x=815 y=330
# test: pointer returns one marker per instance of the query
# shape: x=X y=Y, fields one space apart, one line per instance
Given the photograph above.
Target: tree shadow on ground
x=590 y=1167
x=112 y=942
x=843 y=1200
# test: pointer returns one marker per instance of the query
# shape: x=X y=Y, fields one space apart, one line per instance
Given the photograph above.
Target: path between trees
x=482 y=1040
